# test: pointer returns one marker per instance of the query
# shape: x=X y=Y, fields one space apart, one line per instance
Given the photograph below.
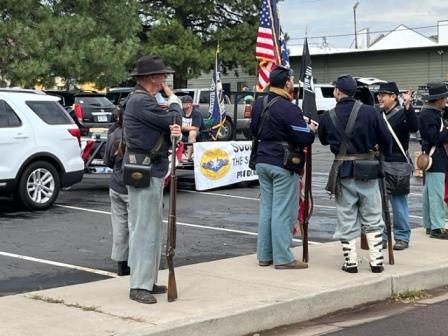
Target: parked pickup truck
x=201 y=100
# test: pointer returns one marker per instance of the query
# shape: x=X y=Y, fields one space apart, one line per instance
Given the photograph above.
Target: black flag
x=306 y=77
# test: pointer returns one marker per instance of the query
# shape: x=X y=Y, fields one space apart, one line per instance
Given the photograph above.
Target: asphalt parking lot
x=70 y=243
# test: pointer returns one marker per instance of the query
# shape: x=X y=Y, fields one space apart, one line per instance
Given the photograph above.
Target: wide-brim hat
x=436 y=90
x=389 y=88
x=150 y=65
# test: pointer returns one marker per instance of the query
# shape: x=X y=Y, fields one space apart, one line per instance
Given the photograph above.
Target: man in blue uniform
x=434 y=136
x=401 y=121
x=147 y=129
x=282 y=126
x=354 y=177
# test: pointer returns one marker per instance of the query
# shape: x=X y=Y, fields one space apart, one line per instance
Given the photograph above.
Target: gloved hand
x=173 y=99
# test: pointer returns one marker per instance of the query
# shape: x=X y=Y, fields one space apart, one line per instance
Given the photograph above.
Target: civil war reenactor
x=147 y=131
x=353 y=130
x=281 y=133
x=400 y=121
x=434 y=136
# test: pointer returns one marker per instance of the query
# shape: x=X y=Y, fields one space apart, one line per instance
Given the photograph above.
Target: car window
x=204 y=97
x=94 y=100
x=327 y=92
x=8 y=118
x=50 y=112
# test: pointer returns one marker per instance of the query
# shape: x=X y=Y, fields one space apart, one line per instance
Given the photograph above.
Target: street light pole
x=354 y=19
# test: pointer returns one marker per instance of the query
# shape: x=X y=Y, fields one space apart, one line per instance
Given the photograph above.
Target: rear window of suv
x=99 y=101
x=50 y=112
x=327 y=92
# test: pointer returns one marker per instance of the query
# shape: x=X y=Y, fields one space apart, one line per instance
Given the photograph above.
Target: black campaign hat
x=436 y=90
x=150 y=65
x=389 y=87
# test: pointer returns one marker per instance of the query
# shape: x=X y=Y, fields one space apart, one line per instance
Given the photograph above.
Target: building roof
x=401 y=37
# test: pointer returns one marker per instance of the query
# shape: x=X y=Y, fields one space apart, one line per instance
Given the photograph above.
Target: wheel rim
x=40 y=186
x=224 y=131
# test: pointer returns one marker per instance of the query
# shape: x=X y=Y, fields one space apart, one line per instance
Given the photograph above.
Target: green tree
x=186 y=32
x=22 y=48
x=79 y=41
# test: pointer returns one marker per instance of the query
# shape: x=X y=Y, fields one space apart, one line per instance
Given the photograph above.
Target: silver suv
x=40 y=145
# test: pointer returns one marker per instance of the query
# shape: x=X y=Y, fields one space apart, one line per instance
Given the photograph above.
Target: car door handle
x=20 y=136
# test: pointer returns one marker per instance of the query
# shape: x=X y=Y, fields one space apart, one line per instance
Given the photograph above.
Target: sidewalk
x=227 y=297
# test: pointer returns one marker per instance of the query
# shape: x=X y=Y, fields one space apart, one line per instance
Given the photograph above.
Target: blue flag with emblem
x=216 y=109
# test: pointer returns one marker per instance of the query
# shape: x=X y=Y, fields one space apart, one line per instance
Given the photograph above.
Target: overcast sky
x=331 y=17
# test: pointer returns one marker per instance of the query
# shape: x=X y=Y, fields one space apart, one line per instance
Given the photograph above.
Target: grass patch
x=410 y=296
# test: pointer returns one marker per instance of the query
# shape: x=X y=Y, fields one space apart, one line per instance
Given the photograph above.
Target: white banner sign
x=219 y=163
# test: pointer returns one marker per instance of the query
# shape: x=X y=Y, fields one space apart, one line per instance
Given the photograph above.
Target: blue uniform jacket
x=403 y=123
x=369 y=129
x=144 y=121
x=430 y=122
x=284 y=122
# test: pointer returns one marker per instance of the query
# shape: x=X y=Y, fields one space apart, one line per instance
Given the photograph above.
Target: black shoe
x=377 y=269
x=401 y=245
x=428 y=231
x=353 y=269
x=439 y=234
x=142 y=296
x=156 y=289
x=123 y=268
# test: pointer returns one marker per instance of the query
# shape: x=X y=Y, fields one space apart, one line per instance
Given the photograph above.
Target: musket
x=386 y=213
x=307 y=200
x=171 y=230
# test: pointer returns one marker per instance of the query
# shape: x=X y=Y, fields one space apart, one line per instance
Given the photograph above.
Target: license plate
x=102 y=118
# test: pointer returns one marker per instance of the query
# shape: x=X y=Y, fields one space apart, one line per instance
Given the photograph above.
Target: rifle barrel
x=171 y=230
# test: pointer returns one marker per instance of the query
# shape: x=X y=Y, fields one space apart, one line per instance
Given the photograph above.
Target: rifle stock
x=386 y=216
x=171 y=230
x=364 y=243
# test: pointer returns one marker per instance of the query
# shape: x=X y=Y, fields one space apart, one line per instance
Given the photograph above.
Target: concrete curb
x=227 y=297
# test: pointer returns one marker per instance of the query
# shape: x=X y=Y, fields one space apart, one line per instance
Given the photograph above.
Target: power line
x=361 y=33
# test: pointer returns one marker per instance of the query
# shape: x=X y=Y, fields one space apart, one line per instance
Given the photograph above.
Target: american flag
x=267 y=49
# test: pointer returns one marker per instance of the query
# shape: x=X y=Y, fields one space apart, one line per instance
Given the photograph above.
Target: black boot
x=123 y=268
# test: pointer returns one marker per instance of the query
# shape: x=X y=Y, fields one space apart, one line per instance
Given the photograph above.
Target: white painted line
x=257 y=199
x=183 y=224
x=55 y=263
x=83 y=209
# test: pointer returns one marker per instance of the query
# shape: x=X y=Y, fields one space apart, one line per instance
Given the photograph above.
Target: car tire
x=226 y=131
x=35 y=193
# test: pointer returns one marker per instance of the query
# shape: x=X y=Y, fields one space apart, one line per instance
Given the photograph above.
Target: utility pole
x=354 y=19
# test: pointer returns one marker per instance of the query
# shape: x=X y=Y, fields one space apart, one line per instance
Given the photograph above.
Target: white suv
x=40 y=148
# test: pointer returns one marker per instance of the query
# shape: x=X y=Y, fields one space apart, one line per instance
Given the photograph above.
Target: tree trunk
x=179 y=81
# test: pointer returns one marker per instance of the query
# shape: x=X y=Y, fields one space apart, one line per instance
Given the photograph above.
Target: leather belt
x=353 y=157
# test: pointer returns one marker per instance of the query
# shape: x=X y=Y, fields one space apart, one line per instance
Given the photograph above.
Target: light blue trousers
x=277 y=214
x=120 y=226
x=433 y=204
x=358 y=207
x=400 y=211
x=146 y=233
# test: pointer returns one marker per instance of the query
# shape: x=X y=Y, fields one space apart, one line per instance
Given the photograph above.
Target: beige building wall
x=408 y=67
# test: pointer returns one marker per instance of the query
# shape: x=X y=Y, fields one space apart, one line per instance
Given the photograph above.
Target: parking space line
x=59 y=264
x=257 y=199
x=184 y=224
